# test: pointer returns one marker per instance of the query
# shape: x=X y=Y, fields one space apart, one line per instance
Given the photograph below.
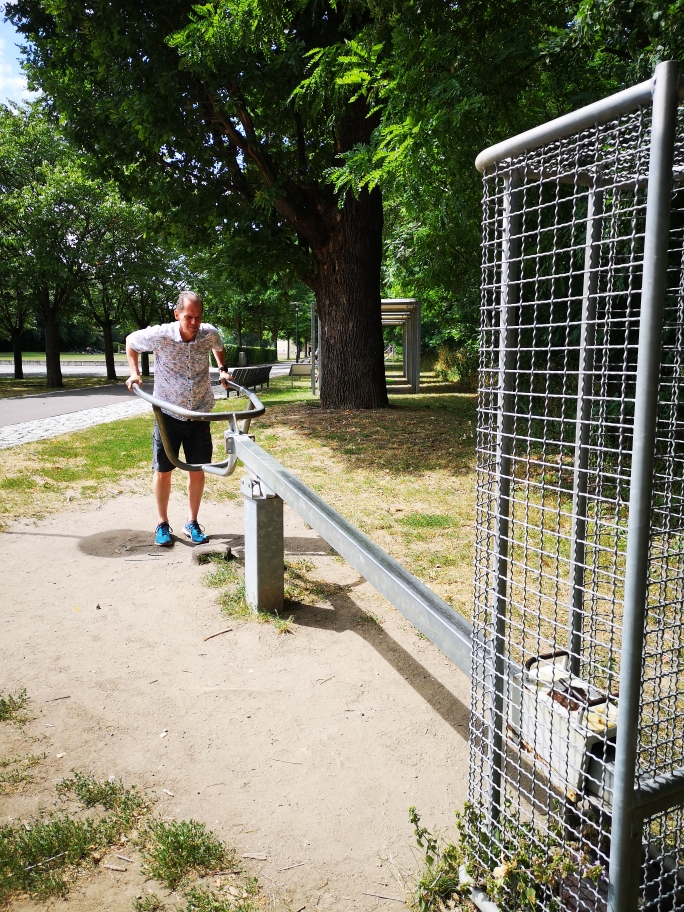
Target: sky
x=12 y=80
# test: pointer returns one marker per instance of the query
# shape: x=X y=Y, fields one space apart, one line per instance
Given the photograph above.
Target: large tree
x=236 y=111
x=56 y=215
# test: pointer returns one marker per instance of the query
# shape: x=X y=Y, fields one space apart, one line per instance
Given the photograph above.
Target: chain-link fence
x=577 y=738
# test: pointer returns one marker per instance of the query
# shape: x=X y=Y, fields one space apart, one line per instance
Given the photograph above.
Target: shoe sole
x=164 y=544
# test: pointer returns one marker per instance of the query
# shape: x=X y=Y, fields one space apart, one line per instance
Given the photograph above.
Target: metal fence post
x=578 y=547
x=625 y=850
x=508 y=334
x=264 y=561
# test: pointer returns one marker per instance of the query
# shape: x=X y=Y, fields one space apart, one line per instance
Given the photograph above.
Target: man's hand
x=134 y=378
x=223 y=376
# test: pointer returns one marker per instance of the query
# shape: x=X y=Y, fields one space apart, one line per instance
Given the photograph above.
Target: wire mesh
x=563 y=240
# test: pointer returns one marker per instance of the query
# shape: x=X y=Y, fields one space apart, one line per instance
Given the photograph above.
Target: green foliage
x=526 y=872
x=458 y=363
x=39 y=856
x=149 y=903
x=11 y=706
x=172 y=851
x=439 y=880
x=128 y=803
x=202 y=899
x=20 y=773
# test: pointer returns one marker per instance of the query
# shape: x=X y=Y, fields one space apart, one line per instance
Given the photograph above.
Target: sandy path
x=306 y=747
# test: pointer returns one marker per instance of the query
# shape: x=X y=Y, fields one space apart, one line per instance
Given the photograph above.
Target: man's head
x=188 y=312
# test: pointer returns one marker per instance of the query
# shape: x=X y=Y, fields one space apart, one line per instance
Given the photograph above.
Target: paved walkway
x=24 y=419
x=40 y=428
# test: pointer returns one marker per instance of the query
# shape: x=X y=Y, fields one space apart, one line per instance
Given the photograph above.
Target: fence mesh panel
x=563 y=239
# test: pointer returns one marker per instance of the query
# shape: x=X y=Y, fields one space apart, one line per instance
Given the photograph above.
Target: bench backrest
x=252 y=376
x=300 y=370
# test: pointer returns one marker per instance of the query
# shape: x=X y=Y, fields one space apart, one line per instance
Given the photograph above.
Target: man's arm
x=132 y=356
x=224 y=373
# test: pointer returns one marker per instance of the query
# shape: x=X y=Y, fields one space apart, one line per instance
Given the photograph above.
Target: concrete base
x=264 y=558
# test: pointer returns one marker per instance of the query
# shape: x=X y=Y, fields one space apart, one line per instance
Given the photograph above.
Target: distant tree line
x=329 y=141
x=77 y=258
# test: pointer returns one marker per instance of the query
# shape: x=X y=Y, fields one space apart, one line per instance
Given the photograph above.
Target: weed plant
x=20 y=774
x=526 y=871
x=149 y=903
x=173 y=851
x=201 y=899
x=128 y=804
x=40 y=856
x=11 y=707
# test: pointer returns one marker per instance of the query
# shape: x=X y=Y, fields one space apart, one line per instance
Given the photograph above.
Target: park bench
x=299 y=370
x=251 y=377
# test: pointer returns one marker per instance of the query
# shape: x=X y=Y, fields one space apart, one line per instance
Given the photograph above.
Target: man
x=181 y=376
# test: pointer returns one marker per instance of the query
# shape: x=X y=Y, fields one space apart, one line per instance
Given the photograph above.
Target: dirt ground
x=305 y=747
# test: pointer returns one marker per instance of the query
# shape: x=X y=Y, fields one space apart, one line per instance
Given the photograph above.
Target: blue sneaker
x=195 y=532
x=162 y=535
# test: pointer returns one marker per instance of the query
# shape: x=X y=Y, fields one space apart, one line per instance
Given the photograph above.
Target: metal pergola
x=405 y=312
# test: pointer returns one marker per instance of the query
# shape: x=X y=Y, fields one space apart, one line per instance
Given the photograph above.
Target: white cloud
x=13 y=85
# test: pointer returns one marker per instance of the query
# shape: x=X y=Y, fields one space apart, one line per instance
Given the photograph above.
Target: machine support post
x=625 y=848
x=264 y=561
x=508 y=336
x=578 y=545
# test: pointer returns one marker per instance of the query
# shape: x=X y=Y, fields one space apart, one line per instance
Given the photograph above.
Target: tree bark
x=347 y=289
x=109 y=349
x=16 y=350
x=144 y=364
x=52 y=347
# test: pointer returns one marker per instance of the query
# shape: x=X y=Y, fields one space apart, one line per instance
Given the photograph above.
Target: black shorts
x=195 y=437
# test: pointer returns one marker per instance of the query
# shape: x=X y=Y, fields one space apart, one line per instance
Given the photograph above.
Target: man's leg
x=161 y=485
x=195 y=491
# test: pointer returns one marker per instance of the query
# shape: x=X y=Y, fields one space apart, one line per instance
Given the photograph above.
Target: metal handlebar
x=255 y=408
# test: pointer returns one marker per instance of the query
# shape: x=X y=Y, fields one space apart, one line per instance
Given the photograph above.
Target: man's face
x=189 y=318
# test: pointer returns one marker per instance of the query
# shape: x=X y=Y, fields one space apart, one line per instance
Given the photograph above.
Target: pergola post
x=405 y=312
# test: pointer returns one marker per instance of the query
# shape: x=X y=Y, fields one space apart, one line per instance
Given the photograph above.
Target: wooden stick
x=379 y=896
x=298 y=865
x=227 y=630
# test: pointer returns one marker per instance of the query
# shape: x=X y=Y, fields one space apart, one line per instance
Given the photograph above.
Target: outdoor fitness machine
x=577 y=724
x=265 y=487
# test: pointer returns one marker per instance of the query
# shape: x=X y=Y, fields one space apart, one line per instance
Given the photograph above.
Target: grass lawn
x=30 y=386
x=404 y=475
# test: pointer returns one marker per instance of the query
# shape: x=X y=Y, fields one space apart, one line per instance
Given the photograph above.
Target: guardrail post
x=264 y=562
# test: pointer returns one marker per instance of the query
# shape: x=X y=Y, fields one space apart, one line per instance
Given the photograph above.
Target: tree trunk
x=145 y=364
x=347 y=288
x=109 y=349
x=16 y=349
x=52 y=348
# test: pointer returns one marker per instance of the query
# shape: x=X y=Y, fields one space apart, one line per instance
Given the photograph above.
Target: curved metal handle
x=254 y=409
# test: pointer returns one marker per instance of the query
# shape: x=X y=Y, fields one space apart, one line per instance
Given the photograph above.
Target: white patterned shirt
x=181 y=369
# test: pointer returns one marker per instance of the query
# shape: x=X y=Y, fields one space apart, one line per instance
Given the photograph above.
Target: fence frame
x=633 y=799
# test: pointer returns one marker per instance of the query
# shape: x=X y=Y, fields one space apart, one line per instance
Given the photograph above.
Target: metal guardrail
x=440 y=623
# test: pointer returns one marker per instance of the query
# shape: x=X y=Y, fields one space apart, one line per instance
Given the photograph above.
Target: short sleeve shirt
x=181 y=369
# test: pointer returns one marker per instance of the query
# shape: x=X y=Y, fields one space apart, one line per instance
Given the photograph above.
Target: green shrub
x=457 y=362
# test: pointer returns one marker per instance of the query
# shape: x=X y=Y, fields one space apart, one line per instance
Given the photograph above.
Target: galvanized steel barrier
x=267 y=486
x=577 y=725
